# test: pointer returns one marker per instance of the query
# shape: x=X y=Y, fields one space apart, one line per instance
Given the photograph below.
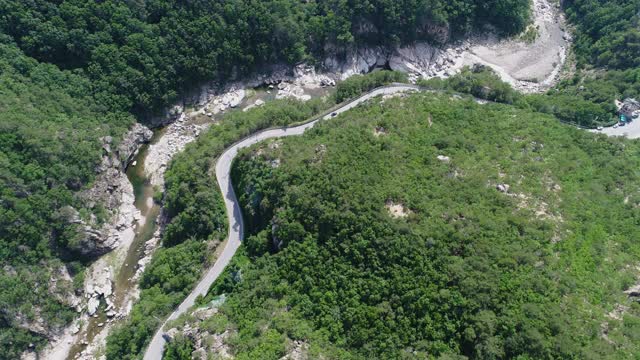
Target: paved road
x=631 y=131
x=234 y=215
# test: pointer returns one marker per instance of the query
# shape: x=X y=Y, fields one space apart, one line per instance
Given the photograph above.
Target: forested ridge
x=515 y=240
x=196 y=211
x=141 y=54
x=606 y=53
x=76 y=71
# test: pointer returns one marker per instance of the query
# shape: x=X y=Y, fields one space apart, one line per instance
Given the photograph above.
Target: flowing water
x=123 y=284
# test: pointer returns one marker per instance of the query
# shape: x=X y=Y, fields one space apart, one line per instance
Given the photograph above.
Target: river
x=123 y=283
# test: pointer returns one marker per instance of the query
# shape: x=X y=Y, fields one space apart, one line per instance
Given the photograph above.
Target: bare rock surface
x=205 y=343
x=176 y=137
x=527 y=66
x=297 y=350
x=356 y=61
x=111 y=189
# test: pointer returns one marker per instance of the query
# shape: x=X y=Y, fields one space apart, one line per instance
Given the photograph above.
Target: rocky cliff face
x=420 y=60
x=109 y=189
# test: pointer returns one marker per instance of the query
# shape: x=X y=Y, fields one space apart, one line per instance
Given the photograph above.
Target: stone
x=199 y=354
x=443 y=158
x=109 y=189
x=503 y=188
x=92 y=306
x=205 y=313
x=633 y=291
x=170 y=334
x=418 y=59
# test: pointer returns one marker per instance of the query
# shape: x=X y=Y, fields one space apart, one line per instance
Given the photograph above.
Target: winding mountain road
x=234 y=214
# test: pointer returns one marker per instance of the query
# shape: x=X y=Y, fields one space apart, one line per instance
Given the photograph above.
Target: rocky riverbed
x=301 y=82
x=527 y=65
x=108 y=242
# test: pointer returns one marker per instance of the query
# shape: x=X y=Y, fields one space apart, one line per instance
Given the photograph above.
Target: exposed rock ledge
x=111 y=189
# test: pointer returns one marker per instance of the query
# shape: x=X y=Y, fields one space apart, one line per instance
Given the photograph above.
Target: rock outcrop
x=356 y=61
x=420 y=60
x=109 y=190
x=206 y=343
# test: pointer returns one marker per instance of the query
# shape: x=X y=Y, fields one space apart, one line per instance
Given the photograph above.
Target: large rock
x=417 y=59
x=114 y=162
x=130 y=144
x=357 y=61
x=109 y=189
x=633 y=291
x=92 y=305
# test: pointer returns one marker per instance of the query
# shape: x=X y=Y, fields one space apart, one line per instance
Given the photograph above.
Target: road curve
x=234 y=214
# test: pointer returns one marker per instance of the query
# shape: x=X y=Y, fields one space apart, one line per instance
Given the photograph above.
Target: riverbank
x=108 y=285
x=531 y=62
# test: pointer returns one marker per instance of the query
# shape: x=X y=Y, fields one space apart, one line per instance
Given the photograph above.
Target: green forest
x=606 y=52
x=141 y=54
x=49 y=130
x=196 y=211
x=515 y=245
x=74 y=71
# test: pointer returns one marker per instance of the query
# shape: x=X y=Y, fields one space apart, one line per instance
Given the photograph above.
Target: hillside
x=75 y=73
x=49 y=150
x=78 y=79
x=429 y=225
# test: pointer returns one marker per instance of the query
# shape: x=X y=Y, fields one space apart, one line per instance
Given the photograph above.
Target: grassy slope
x=472 y=270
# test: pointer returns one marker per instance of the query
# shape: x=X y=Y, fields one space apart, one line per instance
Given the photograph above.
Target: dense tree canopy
x=49 y=147
x=141 y=54
x=607 y=53
x=586 y=102
x=196 y=215
x=74 y=71
x=529 y=270
x=607 y=32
